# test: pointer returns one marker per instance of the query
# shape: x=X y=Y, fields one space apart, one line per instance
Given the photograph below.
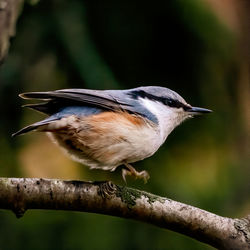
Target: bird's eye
x=169 y=102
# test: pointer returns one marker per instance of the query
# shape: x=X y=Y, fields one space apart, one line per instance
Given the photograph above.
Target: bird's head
x=167 y=106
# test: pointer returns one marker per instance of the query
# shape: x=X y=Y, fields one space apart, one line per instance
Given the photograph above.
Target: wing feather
x=78 y=96
x=113 y=100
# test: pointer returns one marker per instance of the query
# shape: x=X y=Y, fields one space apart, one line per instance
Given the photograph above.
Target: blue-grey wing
x=104 y=99
x=56 y=100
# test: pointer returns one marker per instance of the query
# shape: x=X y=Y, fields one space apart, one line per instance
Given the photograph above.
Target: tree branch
x=20 y=194
x=9 y=11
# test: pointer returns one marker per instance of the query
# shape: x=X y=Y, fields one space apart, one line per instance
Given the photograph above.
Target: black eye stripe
x=166 y=101
x=171 y=102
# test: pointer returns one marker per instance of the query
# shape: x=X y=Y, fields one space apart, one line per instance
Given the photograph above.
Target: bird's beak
x=198 y=111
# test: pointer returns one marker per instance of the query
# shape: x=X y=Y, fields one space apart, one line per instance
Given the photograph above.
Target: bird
x=105 y=129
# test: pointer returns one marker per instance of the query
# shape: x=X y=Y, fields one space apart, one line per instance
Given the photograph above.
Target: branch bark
x=9 y=12
x=20 y=194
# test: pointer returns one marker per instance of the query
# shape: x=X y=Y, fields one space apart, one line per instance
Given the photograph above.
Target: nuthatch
x=104 y=129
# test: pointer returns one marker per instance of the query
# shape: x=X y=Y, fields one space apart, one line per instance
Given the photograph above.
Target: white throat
x=168 y=117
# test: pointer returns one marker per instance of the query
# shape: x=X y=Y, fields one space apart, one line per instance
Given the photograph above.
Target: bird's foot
x=132 y=172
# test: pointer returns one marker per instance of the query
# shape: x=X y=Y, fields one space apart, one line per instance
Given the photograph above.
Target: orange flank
x=120 y=117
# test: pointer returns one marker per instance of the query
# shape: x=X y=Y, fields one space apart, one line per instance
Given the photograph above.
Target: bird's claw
x=138 y=175
x=143 y=175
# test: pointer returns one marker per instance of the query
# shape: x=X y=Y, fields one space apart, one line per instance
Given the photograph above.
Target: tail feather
x=24 y=130
x=35 y=126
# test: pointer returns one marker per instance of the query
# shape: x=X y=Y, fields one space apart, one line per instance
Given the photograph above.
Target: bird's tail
x=35 y=126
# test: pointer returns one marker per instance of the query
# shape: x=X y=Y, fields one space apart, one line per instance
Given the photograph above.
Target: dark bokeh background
x=194 y=47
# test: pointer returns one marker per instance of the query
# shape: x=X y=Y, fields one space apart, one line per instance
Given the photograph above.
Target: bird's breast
x=108 y=139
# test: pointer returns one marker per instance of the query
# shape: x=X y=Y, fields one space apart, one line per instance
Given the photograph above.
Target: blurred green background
x=194 y=47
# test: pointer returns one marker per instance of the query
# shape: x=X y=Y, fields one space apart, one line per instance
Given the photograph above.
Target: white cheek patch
x=168 y=117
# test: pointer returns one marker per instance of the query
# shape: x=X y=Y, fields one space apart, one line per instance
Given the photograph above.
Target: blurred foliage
x=178 y=44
